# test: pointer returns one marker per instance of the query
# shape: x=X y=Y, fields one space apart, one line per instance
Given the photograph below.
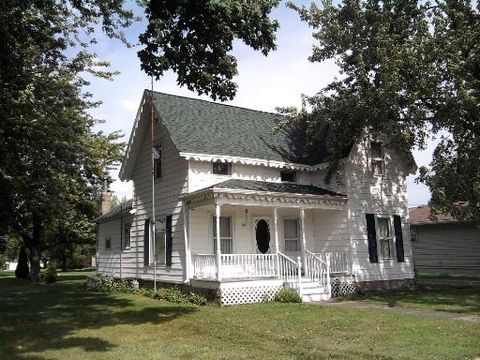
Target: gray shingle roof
x=122 y=208
x=205 y=127
x=285 y=188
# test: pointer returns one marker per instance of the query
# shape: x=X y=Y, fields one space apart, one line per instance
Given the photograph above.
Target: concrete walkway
x=404 y=310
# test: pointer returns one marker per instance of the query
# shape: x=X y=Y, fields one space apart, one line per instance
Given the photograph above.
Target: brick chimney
x=106 y=197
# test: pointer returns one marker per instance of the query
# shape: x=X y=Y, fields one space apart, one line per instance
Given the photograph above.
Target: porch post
x=217 y=240
x=275 y=234
x=188 y=256
x=304 y=238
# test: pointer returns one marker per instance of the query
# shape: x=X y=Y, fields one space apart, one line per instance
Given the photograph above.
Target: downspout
x=121 y=238
x=153 y=191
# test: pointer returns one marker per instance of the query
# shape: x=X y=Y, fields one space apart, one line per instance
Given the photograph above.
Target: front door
x=262 y=235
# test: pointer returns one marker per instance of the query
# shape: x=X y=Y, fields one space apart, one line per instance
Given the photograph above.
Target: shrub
x=22 y=270
x=50 y=274
x=287 y=296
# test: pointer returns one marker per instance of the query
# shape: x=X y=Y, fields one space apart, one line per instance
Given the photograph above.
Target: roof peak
x=214 y=102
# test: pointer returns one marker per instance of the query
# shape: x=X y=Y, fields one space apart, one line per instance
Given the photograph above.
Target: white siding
x=108 y=261
x=447 y=248
x=385 y=195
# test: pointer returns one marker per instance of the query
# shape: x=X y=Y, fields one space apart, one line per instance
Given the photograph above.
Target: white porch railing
x=248 y=265
x=317 y=270
x=340 y=261
x=204 y=266
x=290 y=271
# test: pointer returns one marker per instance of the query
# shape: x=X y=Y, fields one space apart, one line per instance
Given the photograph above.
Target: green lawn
x=449 y=295
x=63 y=321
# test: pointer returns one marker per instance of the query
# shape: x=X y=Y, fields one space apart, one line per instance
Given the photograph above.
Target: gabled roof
x=229 y=133
x=423 y=215
x=121 y=209
x=205 y=127
x=272 y=187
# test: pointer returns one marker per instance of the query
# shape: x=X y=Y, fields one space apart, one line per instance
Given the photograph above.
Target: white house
x=242 y=210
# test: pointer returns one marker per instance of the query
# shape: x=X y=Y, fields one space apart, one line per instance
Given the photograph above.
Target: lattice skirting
x=343 y=288
x=248 y=294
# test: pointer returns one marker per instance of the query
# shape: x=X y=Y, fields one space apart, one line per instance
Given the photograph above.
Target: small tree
x=22 y=270
x=51 y=272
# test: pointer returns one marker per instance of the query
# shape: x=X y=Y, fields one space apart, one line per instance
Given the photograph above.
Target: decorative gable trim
x=252 y=161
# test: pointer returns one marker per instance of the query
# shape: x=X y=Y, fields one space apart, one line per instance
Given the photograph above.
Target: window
x=413 y=233
x=288 y=176
x=385 y=238
x=157 y=158
x=291 y=233
x=222 y=168
x=226 y=239
x=108 y=243
x=126 y=235
x=376 y=157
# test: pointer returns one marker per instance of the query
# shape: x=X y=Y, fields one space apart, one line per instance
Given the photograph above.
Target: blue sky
x=263 y=83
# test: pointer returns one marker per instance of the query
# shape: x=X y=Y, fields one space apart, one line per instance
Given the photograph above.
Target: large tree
x=410 y=70
x=52 y=162
x=195 y=40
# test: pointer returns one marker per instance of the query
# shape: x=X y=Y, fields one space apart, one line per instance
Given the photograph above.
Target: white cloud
x=129 y=105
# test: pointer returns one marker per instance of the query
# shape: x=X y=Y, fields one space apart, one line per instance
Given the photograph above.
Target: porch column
x=217 y=240
x=188 y=256
x=304 y=237
x=275 y=234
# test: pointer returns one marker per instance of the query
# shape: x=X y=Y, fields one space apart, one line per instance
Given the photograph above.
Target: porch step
x=312 y=291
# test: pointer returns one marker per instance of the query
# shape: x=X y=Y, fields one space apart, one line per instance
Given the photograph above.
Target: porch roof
x=275 y=187
x=273 y=193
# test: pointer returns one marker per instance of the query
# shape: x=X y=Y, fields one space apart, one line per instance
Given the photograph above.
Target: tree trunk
x=64 y=262
x=34 y=257
x=34 y=251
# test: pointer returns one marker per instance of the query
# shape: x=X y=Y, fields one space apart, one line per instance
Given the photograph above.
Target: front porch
x=237 y=235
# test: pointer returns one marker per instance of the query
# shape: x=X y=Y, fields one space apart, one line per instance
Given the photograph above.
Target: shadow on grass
x=37 y=318
x=436 y=297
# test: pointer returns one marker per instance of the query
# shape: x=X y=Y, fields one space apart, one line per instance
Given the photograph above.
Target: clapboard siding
x=383 y=196
x=167 y=193
x=447 y=248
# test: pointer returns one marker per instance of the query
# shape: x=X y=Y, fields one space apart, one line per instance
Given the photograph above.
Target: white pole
x=188 y=257
x=275 y=232
x=153 y=191
x=121 y=238
x=217 y=242
x=304 y=238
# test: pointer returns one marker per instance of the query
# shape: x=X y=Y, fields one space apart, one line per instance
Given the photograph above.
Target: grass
x=63 y=321
x=448 y=295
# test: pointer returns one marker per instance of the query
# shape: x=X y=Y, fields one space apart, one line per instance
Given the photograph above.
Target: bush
x=22 y=270
x=171 y=294
x=50 y=274
x=287 y=296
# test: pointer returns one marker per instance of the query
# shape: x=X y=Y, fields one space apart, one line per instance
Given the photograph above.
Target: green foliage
x=175 y=295
x=9 y=248
x=50 y=274
x=52 y=160
x=171 y=294
x=287 y=296
x=22 y=270
x=410 y=71
x=195 y=39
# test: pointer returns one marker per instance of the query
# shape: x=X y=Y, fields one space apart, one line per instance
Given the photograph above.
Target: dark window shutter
x=372 y=238
x=168 y=241
x=146 y=242
x=397 y=224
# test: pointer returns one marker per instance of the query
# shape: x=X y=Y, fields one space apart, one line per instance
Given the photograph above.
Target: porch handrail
x=340 y=261
x=248 y=265
x=204 y=266
x=317 y=269
x=290 y=271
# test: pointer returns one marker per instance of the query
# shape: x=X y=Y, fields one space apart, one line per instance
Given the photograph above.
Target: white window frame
x=129 y=224
x=389 y=219
x=229 y=165
x=108 y=240
x=380 y=159
x=298 y=239
x=222 y=238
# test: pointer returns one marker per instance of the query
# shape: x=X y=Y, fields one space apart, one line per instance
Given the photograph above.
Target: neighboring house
x=442 y=243
x=238 y=205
